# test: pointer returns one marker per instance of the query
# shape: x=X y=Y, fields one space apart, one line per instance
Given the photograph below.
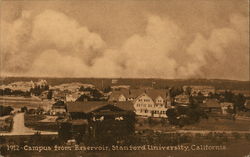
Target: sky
x=169 y=39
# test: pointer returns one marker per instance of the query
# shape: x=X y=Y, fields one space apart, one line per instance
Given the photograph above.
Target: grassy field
x=37 y=122
x=212 y=124
x=220 y=124
x=18 y=102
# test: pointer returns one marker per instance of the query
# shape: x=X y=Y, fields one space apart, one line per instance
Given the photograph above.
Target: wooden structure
x=103 y=119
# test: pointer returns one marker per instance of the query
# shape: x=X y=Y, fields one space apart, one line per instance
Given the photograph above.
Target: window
x=146 y=100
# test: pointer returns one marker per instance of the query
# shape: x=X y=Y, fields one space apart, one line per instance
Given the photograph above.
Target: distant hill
x=139 y=82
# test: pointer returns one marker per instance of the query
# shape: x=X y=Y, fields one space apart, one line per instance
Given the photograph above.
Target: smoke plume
x=54 y=44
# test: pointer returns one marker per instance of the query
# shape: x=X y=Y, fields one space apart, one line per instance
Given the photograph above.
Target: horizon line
x=154 y=78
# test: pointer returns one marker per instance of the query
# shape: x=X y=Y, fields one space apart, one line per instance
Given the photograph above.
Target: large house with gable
x=148 y=103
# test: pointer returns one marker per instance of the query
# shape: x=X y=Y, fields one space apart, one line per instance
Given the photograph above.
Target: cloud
x=54 y=44
x=52 y=62
x=224 y=54
x=57 y=30
x=25 y=40
x=148 y=55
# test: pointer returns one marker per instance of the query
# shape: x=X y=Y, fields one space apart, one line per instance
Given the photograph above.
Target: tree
x=199 y=98
x=214 y=96
x=24 y=109
x=64 y=131
x=59 y=103
x=50 y=94
x=39 y=110
x=228 y=96
x=106 y=90
x=46 y=87
x=172 y=116
x=188 y=91
x=239 y=101
x=5 y=110
x=174 y=91
x=184 y=115
x=7 y=91
x=84 y=98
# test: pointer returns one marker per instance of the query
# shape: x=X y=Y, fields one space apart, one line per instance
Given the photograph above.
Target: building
x=205 y=90
x=58 y=108
x=147 y=102
x=211 y=106
x=227 y=107
x=59 y=95
x=125 y=95
x=246 y=93
x=119 y=87
x=149 y=106
x=20 y=85
x=105 y=119
x=72 y=87
x=182 y=99
x=71 y=97
x=117 y=96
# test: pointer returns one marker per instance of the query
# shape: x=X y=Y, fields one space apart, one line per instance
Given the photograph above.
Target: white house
x=145 y=106
x=149 y=102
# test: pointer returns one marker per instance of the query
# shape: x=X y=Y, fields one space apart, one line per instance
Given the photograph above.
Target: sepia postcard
x=127 y=78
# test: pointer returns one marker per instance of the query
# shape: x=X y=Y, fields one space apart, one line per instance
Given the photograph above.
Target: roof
x=247 y=104
x=182 y=96
x=58 y=104
x=89 y=106
x=134 y=93
x=126 y=105
x=59 y=94
x=154 y=93
x=226 y=104
x=85 y=107
x=79 y=122
x=213 y=103
x=83 y=97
